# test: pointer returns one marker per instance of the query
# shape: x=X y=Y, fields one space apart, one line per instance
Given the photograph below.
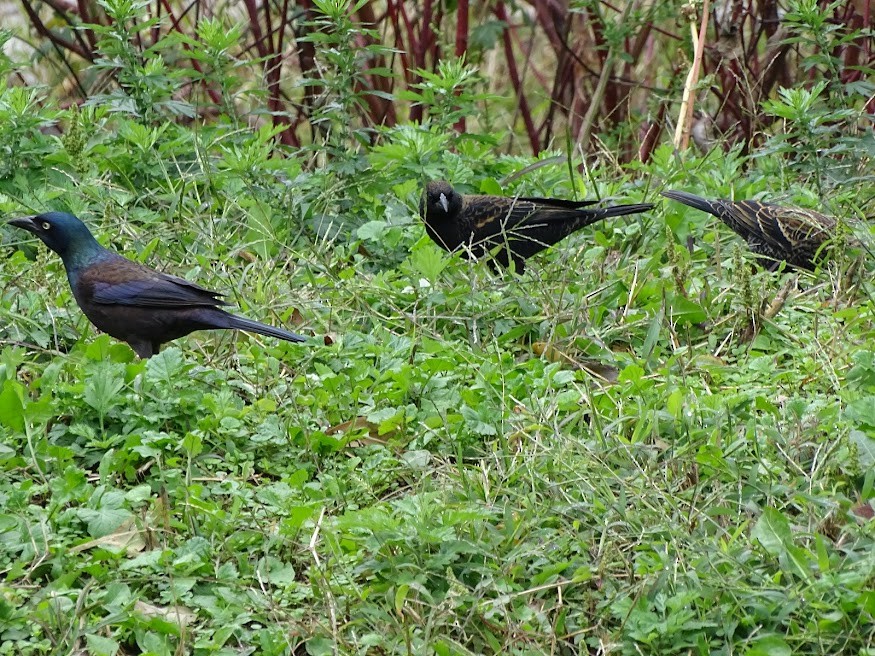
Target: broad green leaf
x=12 y=405
x=769 y=646
x=683 y=310
x=865 y=449
x=772 y=531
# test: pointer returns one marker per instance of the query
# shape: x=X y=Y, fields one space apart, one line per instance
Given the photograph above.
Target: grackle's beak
x=444 y=202
x=25 y=222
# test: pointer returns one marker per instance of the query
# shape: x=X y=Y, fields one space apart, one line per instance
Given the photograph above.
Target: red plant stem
x=419 y=46
x=409 y=75
x=501 y=14
x=553 y=19
x=462 y=28
x=272 y=64
x=651 y=136
x=425 y=34
x=214 y=95
x=268 y=27
x=86 y=18
x=434 y=45
x=156 y=28
x=51 y=36
x=539 y=76
x=461 y=45
x=382 y=110
x=307 y=63
x=394 y=10
x=255 y=26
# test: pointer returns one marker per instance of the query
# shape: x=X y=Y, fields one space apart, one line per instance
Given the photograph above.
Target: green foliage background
x=625 y=451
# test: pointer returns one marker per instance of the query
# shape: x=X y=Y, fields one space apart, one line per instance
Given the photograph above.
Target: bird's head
x=60 y=231
x=439 y=202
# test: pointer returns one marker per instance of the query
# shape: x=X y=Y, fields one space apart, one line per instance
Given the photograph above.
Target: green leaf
x=100 y=645
x=862 y=410
x=490 y=186
x=372 y=230
x=400 y=596
x=772 y=531
x=104 y=380
x=108 y=516
x=683 y=310
x=12 y=405
x=865 y=448
x=428 y=259
x=769 y=646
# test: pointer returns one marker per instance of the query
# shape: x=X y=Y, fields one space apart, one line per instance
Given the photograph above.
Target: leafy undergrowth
x=644 y=445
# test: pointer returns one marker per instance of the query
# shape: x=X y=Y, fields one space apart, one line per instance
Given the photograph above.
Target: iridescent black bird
x=129 y=301
x=773 y=232
x=513 y=229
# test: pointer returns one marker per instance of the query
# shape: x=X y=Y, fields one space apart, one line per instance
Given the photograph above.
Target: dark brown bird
x=773 y=232
x=512 y=229
x=129 y=301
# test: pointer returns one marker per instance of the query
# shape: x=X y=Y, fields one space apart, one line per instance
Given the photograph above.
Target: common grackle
x=773 y=232
x=129 y=301
x=515 y=228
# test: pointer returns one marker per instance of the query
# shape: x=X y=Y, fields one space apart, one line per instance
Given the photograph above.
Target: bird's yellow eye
x=46 y=225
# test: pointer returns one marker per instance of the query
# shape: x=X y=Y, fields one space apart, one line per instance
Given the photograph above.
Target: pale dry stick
x=632 y=291
x=780 y=299
x=522 y=593
x=685 y=116
x=331 y=603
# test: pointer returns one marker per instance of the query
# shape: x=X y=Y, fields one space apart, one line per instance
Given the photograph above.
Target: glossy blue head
x=64 y=234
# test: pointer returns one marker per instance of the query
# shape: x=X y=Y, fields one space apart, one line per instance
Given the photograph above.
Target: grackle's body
x=515 y=228
x=773 y=232
x=129 y=301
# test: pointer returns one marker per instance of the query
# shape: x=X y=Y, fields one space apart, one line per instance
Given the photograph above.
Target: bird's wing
x=492 y=215
x=800 y=225
x=123 y=282
x=785 y=227
x=559 y=203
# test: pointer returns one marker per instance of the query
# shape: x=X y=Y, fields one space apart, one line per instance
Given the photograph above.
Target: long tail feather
x=242 y=323
x=621 y=210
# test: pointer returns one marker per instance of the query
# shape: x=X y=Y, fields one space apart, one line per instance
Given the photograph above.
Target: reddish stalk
x=41 y=28
x=501 y=14
x=420 y=47
x=382 y=110
x=461 y=44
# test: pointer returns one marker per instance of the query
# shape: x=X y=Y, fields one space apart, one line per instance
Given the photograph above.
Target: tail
x=618 y=210
x=242 y=323
x=709 y=206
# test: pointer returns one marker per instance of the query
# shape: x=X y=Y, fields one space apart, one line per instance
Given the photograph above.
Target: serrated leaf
x=103 y=382
x=100 y=645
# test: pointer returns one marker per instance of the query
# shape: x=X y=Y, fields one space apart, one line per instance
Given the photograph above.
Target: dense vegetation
x=643 y=445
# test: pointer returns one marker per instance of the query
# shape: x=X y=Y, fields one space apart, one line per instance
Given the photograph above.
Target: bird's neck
x=82 y=256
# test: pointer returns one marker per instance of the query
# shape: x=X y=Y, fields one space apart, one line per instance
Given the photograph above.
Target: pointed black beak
x=25 y=222
x=444 y=202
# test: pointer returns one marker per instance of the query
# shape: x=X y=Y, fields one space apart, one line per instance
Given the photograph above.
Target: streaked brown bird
x=774 y=232
x=512 y=229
